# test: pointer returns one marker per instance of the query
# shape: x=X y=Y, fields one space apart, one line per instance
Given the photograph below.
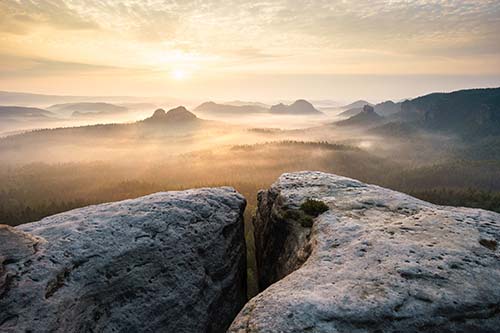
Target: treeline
x=454 y=174
x=13 y=212
x=33 y=191
x=297 y=144
x=461 y=197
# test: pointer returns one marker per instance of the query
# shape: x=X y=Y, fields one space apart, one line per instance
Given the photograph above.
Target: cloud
x=15 y=66
x=282 y=36
x=239 y=25
x=253 y=53
x=20 y=17
x=396 y=25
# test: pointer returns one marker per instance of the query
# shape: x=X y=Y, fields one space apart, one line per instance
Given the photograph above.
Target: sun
x=178 y=74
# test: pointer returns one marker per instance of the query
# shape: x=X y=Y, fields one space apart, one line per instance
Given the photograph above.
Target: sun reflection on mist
x=365 y=144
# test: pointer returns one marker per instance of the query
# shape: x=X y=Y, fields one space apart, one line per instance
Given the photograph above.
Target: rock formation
x=384 y=109
x=167 y=262
x=376 y=261
x=179 y=114
x=299 y=107
x=367 y=117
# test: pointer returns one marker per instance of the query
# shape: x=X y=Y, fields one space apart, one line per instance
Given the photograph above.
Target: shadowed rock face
x=376 y=261
x=471 y=113
x=168 y=262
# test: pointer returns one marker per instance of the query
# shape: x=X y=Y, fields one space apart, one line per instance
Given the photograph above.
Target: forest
x=33 y=191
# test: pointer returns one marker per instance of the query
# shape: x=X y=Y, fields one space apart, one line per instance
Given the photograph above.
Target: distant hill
x=19 y=98
x=325 y=103
x=89 y=115
x=19 y=118
x=386 y=108
x=175 y=121
x=225 y=109
x=351 y=112
x=299 y=107
x=245 y=103
x=176 y=131
x=41 y=100
x=21 y=112
x=367 y=117
x=138 y=106
x=28 y=99
x=87 y=109
x=474 y=112
x=357 y=104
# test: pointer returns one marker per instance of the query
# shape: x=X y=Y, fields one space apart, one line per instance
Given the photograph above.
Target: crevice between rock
x=282 y=242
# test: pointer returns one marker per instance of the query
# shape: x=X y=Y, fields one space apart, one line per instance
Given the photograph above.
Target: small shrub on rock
x=313 y=207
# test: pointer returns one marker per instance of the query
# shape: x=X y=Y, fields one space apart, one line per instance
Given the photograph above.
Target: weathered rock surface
x=377 y=261
x=167 y=262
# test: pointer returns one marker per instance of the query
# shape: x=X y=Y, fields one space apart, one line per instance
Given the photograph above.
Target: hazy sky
x=336 y=49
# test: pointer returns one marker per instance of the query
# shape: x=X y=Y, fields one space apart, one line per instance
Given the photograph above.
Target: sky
x=259 y=50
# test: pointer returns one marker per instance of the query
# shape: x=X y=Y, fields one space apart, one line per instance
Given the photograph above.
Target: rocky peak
x=167 y=262
x=367 y=117
x=158 y=114
x=178 y=114
x=376 y=261
x=302 y=103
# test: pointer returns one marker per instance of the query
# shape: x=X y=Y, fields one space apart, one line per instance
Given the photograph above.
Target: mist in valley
x=45 y=171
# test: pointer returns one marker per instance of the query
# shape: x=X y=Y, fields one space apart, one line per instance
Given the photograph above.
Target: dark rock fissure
x=281 y=238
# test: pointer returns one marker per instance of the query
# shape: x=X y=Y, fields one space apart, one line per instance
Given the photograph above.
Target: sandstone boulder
x=376 y=261
x=167 y=262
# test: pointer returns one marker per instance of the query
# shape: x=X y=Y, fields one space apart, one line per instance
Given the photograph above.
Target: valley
x=44 y=172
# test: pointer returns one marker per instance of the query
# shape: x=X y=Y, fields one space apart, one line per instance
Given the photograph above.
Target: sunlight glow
x=247 y=49
x=178 y=74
